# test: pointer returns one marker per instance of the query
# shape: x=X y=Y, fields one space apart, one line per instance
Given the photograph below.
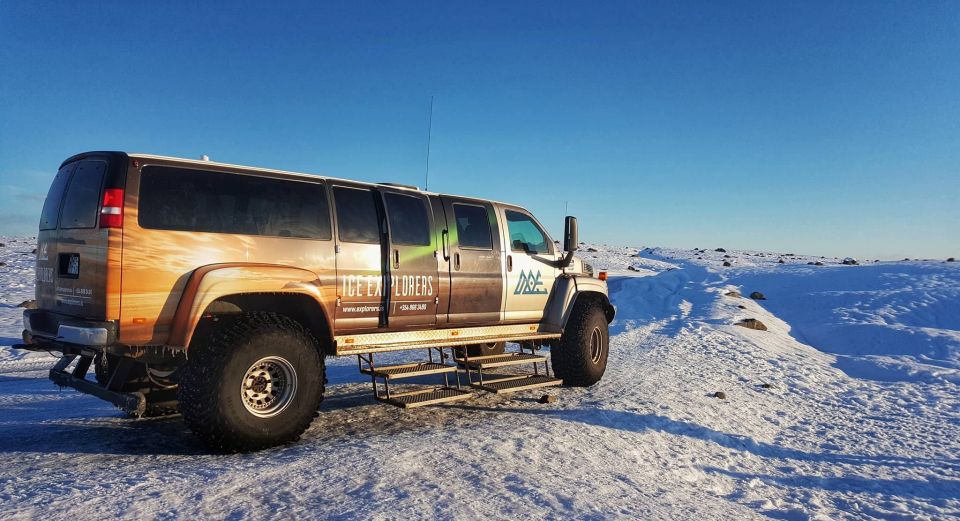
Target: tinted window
x=51 y=205
x=356 y=215
x=409 y=223
x=473 y=226
x=201 y=201
x=525 y=235
x=82 y=201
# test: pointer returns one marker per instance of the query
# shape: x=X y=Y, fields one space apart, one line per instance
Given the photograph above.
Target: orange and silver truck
x=217 y=291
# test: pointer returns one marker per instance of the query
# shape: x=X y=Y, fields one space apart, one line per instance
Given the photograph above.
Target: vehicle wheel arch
x=567 y=292
x=229 y=289
x=300 y=307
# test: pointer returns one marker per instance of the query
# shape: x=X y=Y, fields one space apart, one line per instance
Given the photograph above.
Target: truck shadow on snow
x=53 y=421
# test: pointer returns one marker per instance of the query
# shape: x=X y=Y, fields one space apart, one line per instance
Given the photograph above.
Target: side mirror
x=570 y=235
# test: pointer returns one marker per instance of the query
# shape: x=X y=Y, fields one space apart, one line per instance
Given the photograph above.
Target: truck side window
x=356 y=215
x=219 y=202
x=525 y=235
x=473 y=226
x=409 y=223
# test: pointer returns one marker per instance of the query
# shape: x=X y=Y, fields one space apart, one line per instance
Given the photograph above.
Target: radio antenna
x=426 y=177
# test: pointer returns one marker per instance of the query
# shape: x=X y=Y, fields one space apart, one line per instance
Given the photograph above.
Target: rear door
x=361 y=259
x=72 y=248
x=476 y=273
x=412 y=260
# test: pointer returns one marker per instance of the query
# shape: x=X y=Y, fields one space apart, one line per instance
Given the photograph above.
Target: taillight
x=111 y=214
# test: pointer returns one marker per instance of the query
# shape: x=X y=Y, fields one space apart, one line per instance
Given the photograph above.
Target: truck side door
x=473 y=246
x=531 y=266
x=361 y=287
x=412 y=260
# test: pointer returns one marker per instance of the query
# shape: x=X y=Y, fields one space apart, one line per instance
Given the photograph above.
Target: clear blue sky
x=822 y=128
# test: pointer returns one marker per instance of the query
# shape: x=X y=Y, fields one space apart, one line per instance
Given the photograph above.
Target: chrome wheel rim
x=596 y=345
x=268 y=386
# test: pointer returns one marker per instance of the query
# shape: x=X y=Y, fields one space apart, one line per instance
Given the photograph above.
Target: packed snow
x=847 y=406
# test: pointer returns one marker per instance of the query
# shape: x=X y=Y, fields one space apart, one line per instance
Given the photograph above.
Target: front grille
x=588 y=269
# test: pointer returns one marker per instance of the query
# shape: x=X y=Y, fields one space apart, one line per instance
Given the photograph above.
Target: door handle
x=509 y=263
x=444 y=240
x=456 y=261
x=396 y=259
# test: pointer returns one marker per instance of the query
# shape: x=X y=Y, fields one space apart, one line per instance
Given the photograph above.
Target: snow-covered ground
x=847 y=406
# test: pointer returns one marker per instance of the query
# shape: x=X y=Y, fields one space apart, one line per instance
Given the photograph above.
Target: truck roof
x=199 y=162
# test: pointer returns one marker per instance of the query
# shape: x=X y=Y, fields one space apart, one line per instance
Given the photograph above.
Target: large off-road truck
x=218 y=290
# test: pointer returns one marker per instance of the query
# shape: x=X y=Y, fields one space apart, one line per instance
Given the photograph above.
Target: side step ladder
x=508 y=383
x=429 y=395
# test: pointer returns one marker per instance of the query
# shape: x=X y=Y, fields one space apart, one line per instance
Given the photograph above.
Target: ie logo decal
x=529 y=284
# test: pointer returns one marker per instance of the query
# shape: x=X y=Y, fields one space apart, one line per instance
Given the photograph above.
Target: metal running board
x=402 y=340
x=394 y=372
x=517 y=383
x=491 y=361
x=422 y=397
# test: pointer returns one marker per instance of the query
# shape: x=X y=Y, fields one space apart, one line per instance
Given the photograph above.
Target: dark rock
x=849 y=261
x=34 y=252
x=781 y=261
x=726 y=256
x=727 y=264
x=951 y=259
x=593 y=250
x=818 y=263
x=28 y=304
x=752 y=323
x=720 y=394
x=810 y=263
x=548 y=398
x=632 y=268
x=756 y=295
x=2 y=245
x=766 y=385
x=3 y=263
x=733 y=293
x=741 y=306
x=721 y=250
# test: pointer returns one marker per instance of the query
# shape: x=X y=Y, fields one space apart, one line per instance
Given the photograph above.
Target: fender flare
x=213 y=281
x=563 y=298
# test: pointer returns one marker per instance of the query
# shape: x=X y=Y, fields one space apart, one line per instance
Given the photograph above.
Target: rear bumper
x=42 y=326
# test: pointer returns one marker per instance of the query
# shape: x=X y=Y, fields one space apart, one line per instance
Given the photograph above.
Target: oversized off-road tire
x=256 y=382
x=580 y=357
x=161 y=396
